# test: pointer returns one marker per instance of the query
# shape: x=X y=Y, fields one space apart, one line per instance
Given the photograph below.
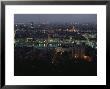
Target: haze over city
x=55 y=18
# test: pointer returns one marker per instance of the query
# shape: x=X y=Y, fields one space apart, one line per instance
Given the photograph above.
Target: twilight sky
x=54 y=18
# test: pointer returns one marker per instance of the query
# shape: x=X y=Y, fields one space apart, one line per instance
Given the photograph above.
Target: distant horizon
x=55 y=18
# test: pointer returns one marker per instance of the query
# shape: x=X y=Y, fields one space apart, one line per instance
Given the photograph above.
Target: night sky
x=55 y=18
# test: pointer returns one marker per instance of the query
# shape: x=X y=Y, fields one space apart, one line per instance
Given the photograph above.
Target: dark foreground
x=39 y=63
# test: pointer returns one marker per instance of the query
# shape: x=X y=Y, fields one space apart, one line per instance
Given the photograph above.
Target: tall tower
x=32 y=25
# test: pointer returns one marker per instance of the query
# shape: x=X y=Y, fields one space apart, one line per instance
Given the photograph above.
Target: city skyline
x=55 y=45
x=55 y=18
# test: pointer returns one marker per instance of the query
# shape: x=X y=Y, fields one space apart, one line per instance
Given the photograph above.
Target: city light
x=55 y=47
